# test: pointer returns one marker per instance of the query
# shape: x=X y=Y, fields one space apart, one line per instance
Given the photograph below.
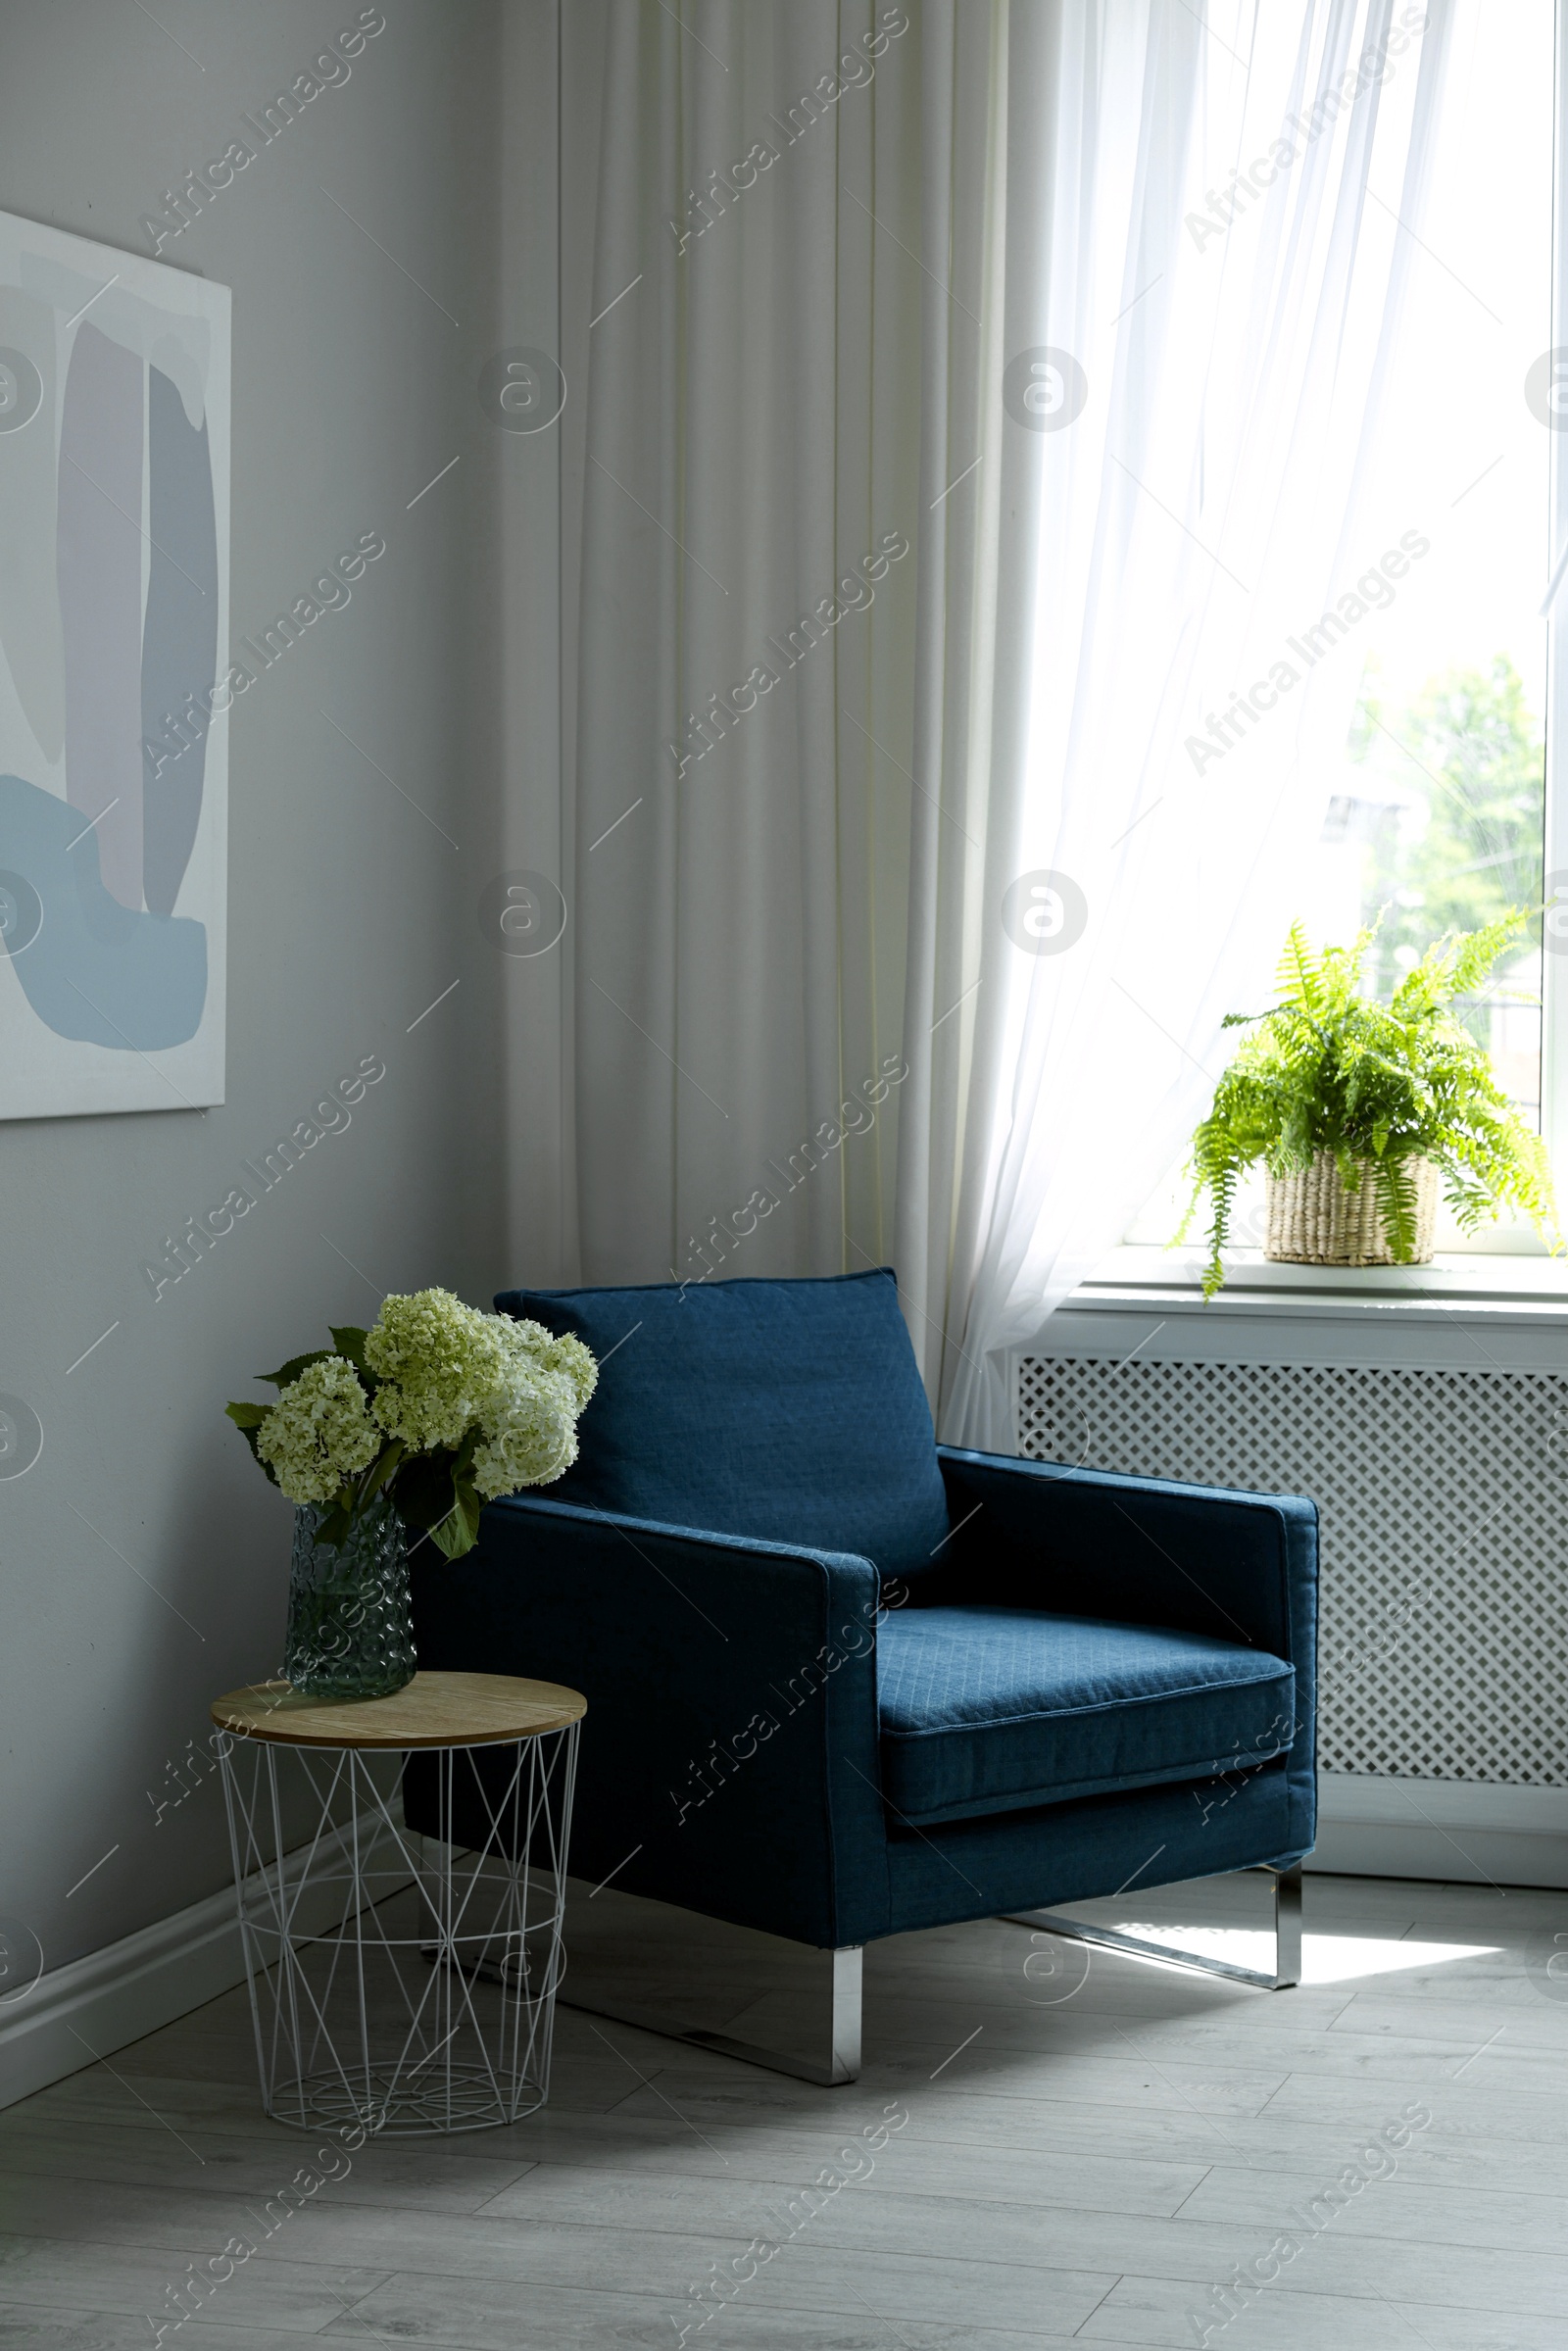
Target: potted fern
x=1359 y=1111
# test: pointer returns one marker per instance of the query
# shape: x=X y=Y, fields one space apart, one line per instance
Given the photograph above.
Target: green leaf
x=435 y=1492
x=296 y=1365
x=383 y=1468
x=458 y=1530
x=349 y=1341
x=421 y=1487
x=247 y=1418
x=336 y=1522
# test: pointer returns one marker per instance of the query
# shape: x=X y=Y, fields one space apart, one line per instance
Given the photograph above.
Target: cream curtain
x=750 y=530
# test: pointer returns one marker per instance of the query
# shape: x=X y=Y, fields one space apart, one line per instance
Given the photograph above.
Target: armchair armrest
x=1238 y=1567
x=729 y=1756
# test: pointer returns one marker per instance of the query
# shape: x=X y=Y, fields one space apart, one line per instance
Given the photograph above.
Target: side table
x=398 y=1981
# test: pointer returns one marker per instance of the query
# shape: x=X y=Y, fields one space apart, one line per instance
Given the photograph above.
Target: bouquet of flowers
x=437 y=1408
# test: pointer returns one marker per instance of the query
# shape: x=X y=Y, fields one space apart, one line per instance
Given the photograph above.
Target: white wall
x=143 y=1561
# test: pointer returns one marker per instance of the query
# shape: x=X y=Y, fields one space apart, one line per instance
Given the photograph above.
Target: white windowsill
x=1481 y=1288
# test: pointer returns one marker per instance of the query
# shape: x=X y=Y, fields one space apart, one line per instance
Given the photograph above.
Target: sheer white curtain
x=1180 y=237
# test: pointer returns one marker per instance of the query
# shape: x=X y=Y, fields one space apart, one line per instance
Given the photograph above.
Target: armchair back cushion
x=786 y=1411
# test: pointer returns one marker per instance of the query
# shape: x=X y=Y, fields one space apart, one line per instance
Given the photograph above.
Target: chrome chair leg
x=714 y=1986
x=1286 y=1938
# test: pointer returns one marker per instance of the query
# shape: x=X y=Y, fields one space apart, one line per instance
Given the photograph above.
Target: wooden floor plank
x=269 y=2291
x=36 y=2328
x=422 y=2173
x=491 y=2317
x=1013 y=2150
x=1160 y=2310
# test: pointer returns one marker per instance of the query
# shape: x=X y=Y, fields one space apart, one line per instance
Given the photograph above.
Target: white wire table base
x=400 y=1980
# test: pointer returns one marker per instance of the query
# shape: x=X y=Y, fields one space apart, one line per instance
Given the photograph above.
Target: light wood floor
x=1087 y=2168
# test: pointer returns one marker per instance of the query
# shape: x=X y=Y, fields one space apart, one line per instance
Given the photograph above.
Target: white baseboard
x=97 y=2004
x=1475 y=1832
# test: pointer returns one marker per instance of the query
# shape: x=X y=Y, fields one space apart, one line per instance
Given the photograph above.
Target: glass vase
x=350 y=1626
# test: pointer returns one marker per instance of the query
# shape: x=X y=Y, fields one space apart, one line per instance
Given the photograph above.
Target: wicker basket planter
x=1312 y=1220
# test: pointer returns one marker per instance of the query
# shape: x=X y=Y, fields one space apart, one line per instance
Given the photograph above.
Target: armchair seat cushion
x=993 y=1709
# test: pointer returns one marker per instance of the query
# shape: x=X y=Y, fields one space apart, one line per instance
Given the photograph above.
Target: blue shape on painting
x=94 y=970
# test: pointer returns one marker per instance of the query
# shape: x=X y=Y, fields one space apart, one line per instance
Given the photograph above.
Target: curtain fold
x=742 y=743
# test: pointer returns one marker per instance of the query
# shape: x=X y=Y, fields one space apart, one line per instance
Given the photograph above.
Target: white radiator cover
x=1444 y=1502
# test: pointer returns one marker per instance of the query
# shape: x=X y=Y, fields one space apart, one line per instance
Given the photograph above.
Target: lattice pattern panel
x=1445 y=1535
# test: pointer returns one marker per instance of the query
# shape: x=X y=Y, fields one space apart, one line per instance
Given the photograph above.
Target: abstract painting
x=114 y=613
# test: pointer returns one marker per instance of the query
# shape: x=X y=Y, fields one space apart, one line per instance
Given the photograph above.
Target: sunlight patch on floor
x=1325 y=1958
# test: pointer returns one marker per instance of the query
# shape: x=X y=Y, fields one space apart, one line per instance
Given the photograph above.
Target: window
x=1446 y=806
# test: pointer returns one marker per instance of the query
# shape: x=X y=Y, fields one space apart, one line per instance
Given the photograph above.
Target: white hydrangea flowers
x=531 y=1427
x=445 y=1368
x=500 y=1399
x=439 y=1365
x=318 y=1435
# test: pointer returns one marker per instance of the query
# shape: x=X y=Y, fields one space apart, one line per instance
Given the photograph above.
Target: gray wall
x=143 y=1561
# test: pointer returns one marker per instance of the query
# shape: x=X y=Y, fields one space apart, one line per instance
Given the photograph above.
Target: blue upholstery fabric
x=1109 y=1844
x=731 y=1728
x=783 y=1411
x=992 y=1709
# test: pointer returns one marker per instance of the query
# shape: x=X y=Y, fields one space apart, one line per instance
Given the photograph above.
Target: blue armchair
x=844 y=1682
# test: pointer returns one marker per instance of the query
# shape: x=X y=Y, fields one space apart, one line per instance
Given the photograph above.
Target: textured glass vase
x=350 y=1628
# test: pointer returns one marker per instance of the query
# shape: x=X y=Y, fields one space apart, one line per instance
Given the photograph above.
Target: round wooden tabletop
x=433 y=1710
